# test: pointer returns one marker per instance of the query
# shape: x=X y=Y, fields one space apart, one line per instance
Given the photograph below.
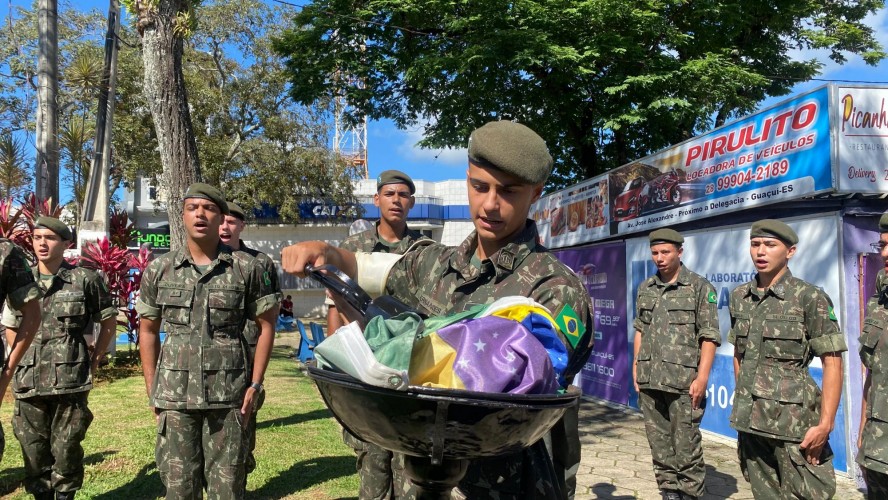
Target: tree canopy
x=253 y=140
x=603 y=81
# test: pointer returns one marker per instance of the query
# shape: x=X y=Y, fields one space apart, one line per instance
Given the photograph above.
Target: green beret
x=883 y=223
x=770 y=228
x=56 y=226
x=394 y=177
x=207 y=192
x=236 y=211
x=666 y=236
x=512 y=148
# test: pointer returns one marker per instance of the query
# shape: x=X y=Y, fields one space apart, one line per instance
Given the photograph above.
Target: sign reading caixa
x=318 y=210
x=158 y=237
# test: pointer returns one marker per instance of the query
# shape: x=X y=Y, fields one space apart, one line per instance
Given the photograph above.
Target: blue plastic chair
x=317 y=332
x=306 y=344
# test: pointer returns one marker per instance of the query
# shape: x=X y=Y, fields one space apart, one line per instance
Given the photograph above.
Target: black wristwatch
x=256 y=385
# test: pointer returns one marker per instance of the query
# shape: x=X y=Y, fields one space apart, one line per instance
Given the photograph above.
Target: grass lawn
x=299 y=450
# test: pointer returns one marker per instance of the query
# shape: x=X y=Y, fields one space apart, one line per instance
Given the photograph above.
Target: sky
x=391 y=148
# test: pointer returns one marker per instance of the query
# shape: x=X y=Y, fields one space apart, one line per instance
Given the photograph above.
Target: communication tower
x=351 y=138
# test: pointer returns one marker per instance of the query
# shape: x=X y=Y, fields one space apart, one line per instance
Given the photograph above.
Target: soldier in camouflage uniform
x=676 y=334
x=18 y=289
x=872 y=442
x=394 y=197
x=229 y=232
x=508 y=165
x=53 y=379
x=778 y=324
x=198 y=380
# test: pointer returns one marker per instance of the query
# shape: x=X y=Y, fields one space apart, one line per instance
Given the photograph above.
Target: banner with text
x=862 y=130
x=603 y=270
x=778 y=154
x=575 y=215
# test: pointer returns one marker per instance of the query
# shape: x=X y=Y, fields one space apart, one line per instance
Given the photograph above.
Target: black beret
x=394 y=177
x=236 y=211
x=512 y=148
x=665 y=235
x=883 y=223
x=770 y=228
x=207 y=192
x=56 y=226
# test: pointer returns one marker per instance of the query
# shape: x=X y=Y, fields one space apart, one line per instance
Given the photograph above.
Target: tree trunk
x=46 y=169
x=165 y=91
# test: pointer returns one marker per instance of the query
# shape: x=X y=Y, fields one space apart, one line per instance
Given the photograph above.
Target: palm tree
x=14 y=176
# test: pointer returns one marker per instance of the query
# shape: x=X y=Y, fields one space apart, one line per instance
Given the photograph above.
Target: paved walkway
x=616 y=461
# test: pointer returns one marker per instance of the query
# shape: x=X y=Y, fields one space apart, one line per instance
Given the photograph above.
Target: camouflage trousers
x=197 y=448
x=673 y=431
x=378 y=468
x=778 y=469
x=876 y=484
x=50 y=430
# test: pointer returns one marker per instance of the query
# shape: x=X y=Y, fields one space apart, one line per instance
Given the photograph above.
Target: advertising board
x=776 y=155
x=602 y=269
x=862 y=139
x=575 y=215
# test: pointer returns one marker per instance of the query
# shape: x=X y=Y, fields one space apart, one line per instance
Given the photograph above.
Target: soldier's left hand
x=249 y=405
x=812 y=445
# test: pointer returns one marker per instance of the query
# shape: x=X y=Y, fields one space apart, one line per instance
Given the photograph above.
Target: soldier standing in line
x=394 y=197
x=778 y=324
x=53 y=379
x=676 y=334
x=19 y=290
x=198 y=381
x=229 y=232
x=508 y=166
x=872 y=442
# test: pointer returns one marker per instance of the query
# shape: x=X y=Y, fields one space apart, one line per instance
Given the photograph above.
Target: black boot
x=65 y=495
x=45 y=495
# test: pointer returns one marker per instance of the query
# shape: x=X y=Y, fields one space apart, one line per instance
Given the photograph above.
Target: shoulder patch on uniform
x=571 y=326
x=832 y=314
x=712 y=297
x=266 y=278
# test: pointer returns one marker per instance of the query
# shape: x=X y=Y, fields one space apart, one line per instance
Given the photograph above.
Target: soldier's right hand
x=635 y=376
x=294 y=258
x=156 y=413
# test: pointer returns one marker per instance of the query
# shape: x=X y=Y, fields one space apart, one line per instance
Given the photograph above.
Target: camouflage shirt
x=674 y=319
x=270 y=274
x=873 y=453
x=58 y=361
x=776 y=333
x=436 y=279
x=203 y=361
x=370 y=241
x=17 y=284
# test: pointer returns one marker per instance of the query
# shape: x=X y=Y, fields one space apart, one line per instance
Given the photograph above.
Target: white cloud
x=429 y=157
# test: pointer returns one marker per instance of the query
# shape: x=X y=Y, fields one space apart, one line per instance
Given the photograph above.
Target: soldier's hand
x=697 y=392
x=294 y=258
x=248 y=407
x=635 y=376
x=156 y=413
x=812 y=445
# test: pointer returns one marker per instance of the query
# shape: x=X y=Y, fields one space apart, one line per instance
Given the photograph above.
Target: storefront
x=818 y=161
